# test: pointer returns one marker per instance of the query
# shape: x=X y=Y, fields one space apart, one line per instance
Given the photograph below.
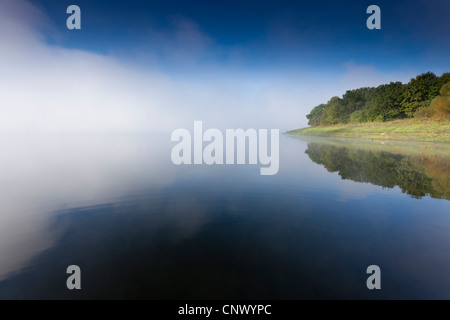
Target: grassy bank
x=407 y=129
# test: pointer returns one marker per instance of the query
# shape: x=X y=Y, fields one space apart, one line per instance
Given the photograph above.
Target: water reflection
x=418 y=175
x=140 y=227
x=41 y=174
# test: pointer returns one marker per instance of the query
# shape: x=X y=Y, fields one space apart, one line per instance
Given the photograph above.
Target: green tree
x=316 y=115
x=419 y=93
x=440 y=105
x=419 y=98
x=386 y=103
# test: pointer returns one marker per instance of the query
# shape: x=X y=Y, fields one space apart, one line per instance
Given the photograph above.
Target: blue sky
x=160 y=65
x=320 y=34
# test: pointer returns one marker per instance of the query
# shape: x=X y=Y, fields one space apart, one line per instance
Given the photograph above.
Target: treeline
x=418 y=98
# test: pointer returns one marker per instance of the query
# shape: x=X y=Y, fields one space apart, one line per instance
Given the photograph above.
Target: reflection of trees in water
x=438 y=169
x=417 y=176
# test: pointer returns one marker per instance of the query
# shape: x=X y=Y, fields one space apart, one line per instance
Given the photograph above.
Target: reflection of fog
x=141 y=227
x=48 y=172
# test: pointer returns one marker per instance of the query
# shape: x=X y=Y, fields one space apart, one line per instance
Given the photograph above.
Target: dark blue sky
x=261 y=34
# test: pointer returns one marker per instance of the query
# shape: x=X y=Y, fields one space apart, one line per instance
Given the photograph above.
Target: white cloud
x=49 y=88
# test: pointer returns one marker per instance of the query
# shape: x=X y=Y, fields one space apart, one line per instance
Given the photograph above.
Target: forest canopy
x=425 y=96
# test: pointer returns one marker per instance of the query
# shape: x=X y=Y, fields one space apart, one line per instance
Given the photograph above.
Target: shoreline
x=405 y=130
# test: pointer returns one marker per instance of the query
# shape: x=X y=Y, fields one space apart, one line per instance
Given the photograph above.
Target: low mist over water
x=139 y=226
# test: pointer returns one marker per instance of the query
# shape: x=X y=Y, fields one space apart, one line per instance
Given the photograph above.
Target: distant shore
x=406 y=129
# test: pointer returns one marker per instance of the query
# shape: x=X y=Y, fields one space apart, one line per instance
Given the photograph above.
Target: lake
x=140 y=227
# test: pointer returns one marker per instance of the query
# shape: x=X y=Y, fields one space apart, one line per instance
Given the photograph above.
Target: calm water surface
x=140 y=227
